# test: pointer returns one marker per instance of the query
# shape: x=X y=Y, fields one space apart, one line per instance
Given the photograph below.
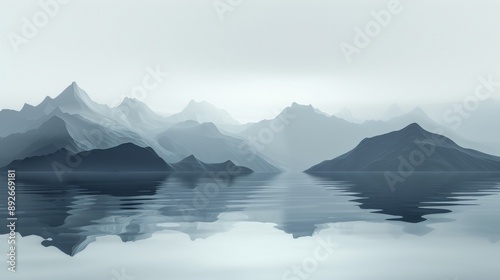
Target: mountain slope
x=412 y=148
x=124 y=158
x=72 y=100
x=138 y=115
x=91 y=125
x=87 y=125
x=203 y=112
x=51 y=136
x=208 y=144
x=487 y=115
x=300 y=137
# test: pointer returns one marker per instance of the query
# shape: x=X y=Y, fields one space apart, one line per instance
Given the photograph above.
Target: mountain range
x=207 y=143
x=407 y=150
x=72 y=121
x=203 y=112
x=305 y=136
x=296 y=139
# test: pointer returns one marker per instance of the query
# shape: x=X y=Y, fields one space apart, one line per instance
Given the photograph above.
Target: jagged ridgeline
x=128 y=137
x=297 y=138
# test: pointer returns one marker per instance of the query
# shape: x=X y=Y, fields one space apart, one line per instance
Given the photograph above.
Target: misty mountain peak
x=412 y=131
x=206 y=129
x=73 y=93
x=203 y=112
x=131 y=101
x=201 y=105
x=27 y=106
x=209 y=128
x=393 y=111
x=128 y=99
x=414 y=127
x=347 y=115
x=298 y=109
x=74 y=88
x=408 y=134
x=72 y=100
x=417 y=112
x=193 y=102
x=295 y=106
x=191 y=159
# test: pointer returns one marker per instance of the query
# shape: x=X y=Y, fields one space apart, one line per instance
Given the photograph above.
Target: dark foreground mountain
x=125 y=159
x=193 y=165
x=408 y=150
x=46 y=139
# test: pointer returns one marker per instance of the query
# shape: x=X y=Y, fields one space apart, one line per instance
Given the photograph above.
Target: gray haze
x=260 y=58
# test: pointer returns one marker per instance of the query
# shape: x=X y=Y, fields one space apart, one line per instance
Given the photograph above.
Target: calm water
x=258 y=226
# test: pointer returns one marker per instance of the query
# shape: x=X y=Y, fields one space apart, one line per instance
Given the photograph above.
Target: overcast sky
x=251 y=59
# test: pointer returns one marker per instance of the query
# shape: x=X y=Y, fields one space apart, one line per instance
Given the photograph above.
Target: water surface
x=288 y=210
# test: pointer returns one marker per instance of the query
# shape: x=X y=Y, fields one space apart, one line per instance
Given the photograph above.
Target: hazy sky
x=259 y=57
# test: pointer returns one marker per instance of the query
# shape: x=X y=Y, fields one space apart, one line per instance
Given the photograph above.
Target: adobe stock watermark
x=463 y=110
x=209 y=191
x=265 y=135
x=372 y=29
x=344 y=228
x=32 y=26
x=71 y=161
x=222 y=7
x=323 y=251
x=415 y=158
x=153 y=79
x=150 y=82
x=121 y=275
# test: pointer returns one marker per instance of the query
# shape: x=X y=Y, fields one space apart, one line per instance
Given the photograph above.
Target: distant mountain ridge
x=305 y=137
x=207 y=143
x=85 y=125
x=297 y=138
x=203 y=112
